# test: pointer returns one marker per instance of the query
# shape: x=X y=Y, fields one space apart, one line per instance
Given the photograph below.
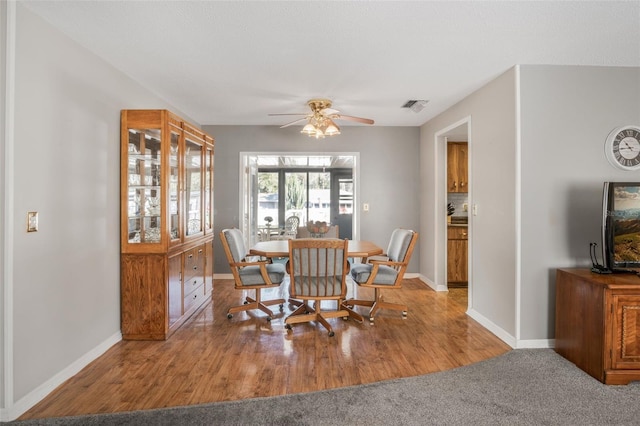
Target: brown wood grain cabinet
x=166 y=222
x=598 y=323
x=457 y=254
x=457 y=167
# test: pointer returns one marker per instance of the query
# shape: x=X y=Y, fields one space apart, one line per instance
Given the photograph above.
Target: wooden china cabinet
x=166 y=228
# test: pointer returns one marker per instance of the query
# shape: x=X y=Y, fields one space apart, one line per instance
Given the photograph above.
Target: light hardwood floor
x=211 y=358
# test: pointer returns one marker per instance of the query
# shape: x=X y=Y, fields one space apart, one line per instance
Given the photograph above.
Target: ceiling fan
x=320 y=120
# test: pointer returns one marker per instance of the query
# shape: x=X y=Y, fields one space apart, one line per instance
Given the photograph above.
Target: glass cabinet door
x=208 y=190
x=143 y=180
x=193 y=186
x=174 y=190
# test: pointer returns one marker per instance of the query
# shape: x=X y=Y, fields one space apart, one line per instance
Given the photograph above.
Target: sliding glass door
x=313 y=188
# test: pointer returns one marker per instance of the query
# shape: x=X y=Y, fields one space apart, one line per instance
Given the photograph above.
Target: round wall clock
x=622 y=147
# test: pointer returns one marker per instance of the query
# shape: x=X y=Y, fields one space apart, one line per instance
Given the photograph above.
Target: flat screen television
x=621 y=226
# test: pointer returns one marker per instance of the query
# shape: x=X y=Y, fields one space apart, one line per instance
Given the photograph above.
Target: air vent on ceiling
x=415 y=105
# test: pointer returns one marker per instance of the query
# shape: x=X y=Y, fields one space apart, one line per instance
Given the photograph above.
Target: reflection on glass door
x=193 y=184
x=342 y=208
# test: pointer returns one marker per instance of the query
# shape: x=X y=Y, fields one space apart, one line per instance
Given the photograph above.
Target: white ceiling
x=235 y=62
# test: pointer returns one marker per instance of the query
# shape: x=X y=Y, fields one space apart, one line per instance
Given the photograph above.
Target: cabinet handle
x=461 y=183
x=464 y=234
x=195 y=268
x=199 y=251
x=455 y=184
x=190 y=256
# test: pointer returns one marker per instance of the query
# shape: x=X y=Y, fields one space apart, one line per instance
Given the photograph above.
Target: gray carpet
x=522 y=387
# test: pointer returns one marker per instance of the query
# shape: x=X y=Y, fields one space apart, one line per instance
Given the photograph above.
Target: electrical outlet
x=365 y=207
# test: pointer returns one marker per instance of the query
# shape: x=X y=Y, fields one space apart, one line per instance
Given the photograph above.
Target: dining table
x=280 y=248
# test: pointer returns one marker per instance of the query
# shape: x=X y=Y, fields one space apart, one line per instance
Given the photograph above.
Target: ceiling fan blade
x=293 y=122
x=306 y=113
x=329 y=111
x=351 y=118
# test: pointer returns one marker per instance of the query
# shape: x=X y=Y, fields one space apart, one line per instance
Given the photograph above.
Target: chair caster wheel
x=371 y=320
x=404 y=314
x=331 y=334
x=281 y=307
x=288 y=327
x=246 y=303
x=229 y=316
x=268 y=319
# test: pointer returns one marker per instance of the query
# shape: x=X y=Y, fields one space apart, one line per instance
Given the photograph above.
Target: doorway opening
x=312 y=187
x=455 y=207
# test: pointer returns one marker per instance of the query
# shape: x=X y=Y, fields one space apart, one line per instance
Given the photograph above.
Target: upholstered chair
x=384 y=272
x=251 y=275
x=317 y=271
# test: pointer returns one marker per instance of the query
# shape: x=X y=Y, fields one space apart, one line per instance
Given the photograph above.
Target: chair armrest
x=256 y=263
x=386 y=262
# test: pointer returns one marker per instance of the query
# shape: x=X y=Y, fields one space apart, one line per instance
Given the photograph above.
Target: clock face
x=623 y=148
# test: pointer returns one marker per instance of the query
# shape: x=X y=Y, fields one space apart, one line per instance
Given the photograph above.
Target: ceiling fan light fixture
x=332 y=129
x=308 y=129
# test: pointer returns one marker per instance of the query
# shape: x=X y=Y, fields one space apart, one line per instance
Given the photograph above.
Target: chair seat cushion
x=250 y=275
x=386 y=274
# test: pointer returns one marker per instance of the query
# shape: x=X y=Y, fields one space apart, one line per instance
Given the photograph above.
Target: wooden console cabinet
x=166 y=229
x=598 y=323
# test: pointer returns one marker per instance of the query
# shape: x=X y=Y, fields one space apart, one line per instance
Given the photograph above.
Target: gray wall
x=492 y=177
x=66 y=280
x=389 y=174
x=538 y=187
x=4 y=28
x=567 y=113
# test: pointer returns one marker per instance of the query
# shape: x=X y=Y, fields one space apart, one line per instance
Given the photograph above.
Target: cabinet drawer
x=457 y=232
x=196 y=298
x=194 y=262
x=193 y=283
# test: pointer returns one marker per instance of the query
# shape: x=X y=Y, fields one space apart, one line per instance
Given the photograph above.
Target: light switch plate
x=32 y=221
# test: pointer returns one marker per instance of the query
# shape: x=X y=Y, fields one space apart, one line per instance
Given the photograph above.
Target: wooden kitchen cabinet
x=598 y=323
x=457 y=167
x=457 y=255
x=166 y=229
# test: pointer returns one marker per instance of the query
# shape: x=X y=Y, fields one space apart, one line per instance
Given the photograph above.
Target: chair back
x=291 y=226
x=233 y=242
x=399 y=244
x=318 y=268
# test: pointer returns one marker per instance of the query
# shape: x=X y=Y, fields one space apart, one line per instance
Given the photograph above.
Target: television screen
x=621 y=230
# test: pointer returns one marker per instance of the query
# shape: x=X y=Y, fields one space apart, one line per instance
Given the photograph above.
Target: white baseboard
x=430 y=283
x=222 y=277
x=536 y=344
x=492 y=327
x=35 y=396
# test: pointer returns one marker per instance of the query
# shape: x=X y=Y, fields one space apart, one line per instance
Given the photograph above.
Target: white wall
x=389 y=170
x=567 y=112
x=492 y=156
x=66 y=280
